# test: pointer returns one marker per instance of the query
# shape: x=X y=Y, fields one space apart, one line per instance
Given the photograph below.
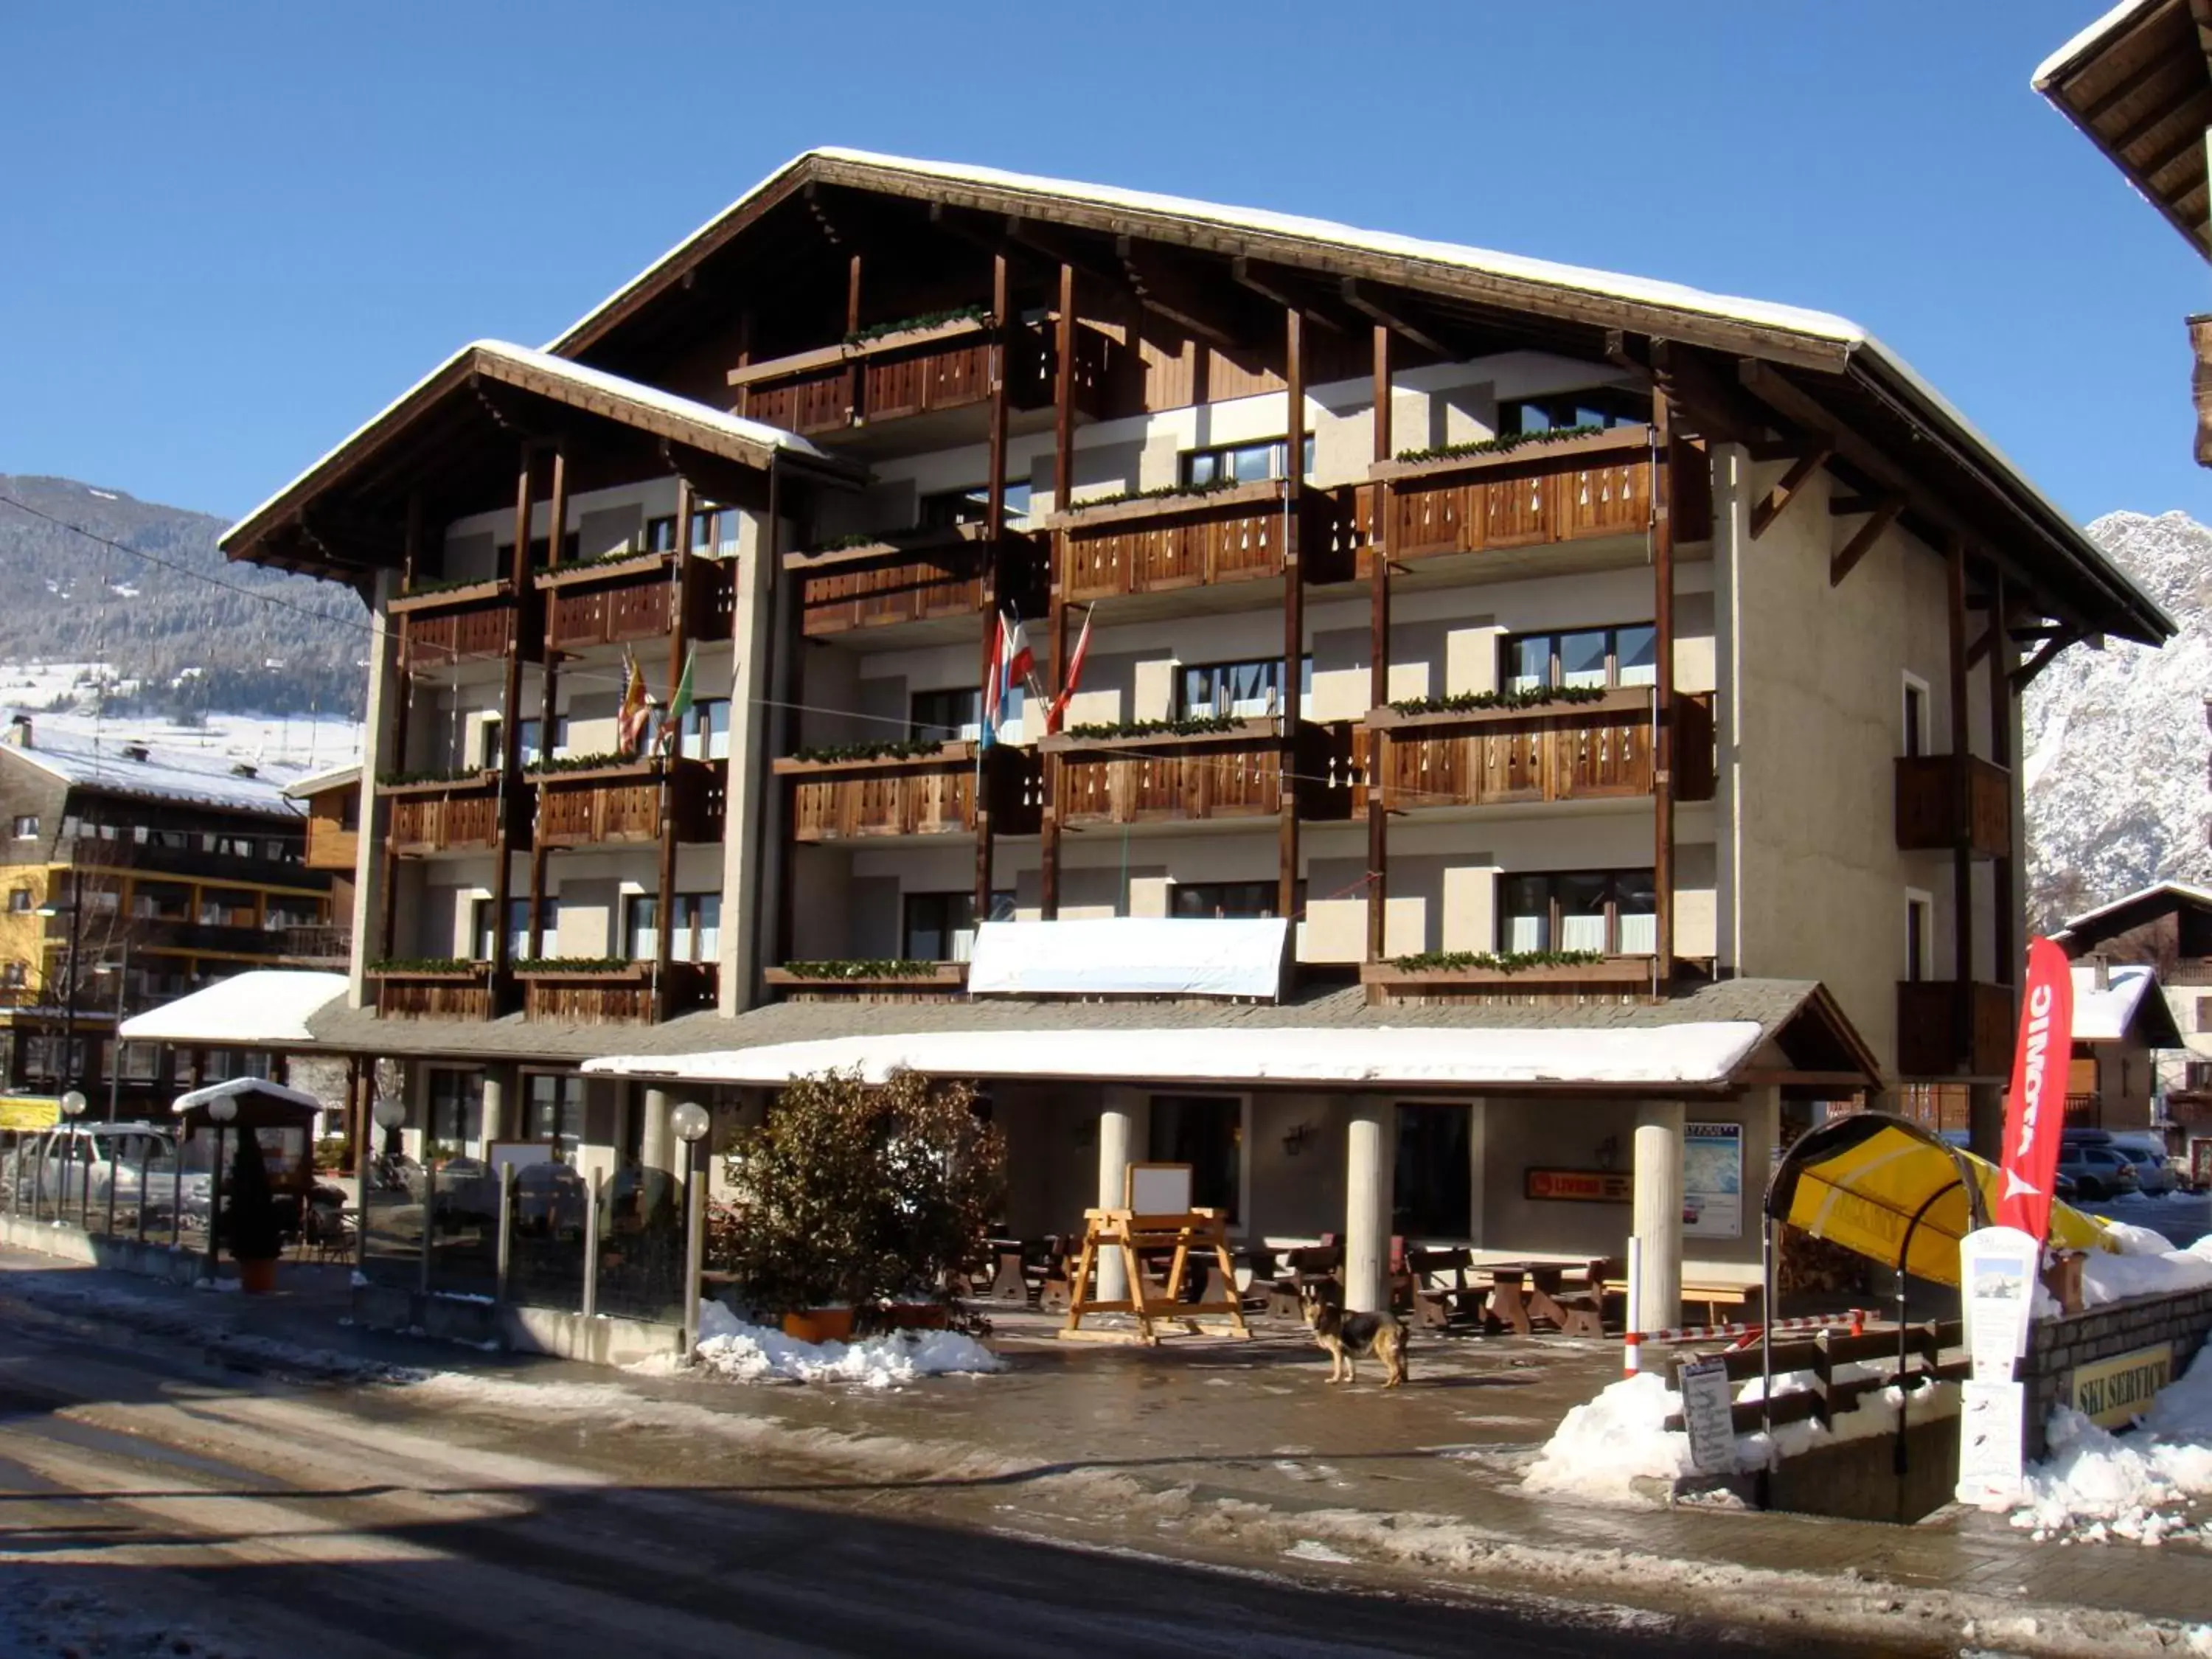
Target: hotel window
x=518 y=926
x=1219 y=900
x=1208 y=1132
x=705 y=734
x=225 y=908
x=948 y=509
x=27 y=827
x=1919 y=935
x=698 y=935
x=456 y=1112
x=19 y=899
x=141 y=1062
x=1916 y=716
x=1239 y=689
x=555 y=1110
x=1562 y=411
x=1587 y=658
x=1228 y=464
x=938 y=926
x=944 y=716
x=1612 y=912
x=160 y=901
x=280 y=912
x=660 y=534
x=13 y=975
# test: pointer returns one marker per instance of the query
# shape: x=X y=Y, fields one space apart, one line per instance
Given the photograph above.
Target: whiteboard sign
x=1706 y=1414
x=1158 y=1189
x=1990 y=1415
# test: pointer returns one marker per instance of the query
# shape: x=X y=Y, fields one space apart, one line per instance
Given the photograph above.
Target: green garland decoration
x=454 y=775
x=573 y=965
x=864 y=968
x=425 y=965
x=1506 y=961
x=558 y=763
x=904 y=749
x=1464 y=703
x=926 y=320
x=1503 y=444
x=1190 y=725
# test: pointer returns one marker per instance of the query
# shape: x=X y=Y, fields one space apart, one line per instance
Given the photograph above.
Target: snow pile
x=1617 y=1448
x=754 y=1353
x=2097 y=1485
x=2149 y=1267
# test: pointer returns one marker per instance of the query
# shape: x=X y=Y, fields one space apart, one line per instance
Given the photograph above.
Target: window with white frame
x=1916 y=733
x=698 y=927
x=1583 y=659
x=26 y=827
x=705 y=734
x=1239 y=690
x=1919 y=934
x=1612 y=912
x=1253 y=463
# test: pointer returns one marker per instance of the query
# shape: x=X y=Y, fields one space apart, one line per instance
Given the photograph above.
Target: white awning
x=264 y=1008
x=1656 y=1056
x=1152 y=956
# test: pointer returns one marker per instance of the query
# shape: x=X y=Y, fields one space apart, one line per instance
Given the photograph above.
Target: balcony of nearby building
x=1209 y=539
x=1594 y=749
x=333 y=844
x=615 y=798
x=613 y=993
x=432 y=990
x=322 y=944
x=627 y=598
x=1937 y=808
x=870 y=584
x=899 y=789
x=465 y=622
x=1418 y=982
x=440 y=815
x=1198 y=770
x=1947 y=1029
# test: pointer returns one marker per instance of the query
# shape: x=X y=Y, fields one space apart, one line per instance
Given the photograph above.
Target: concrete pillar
x=1370 y=1157
x=1478 y=1174
x=1658 y=1210
x=656 y=1145
x=752 y=826
x=383 y=751
x=1731 y=537
x=494 y=1125
x=1118 y=1114
x=1985 y=1115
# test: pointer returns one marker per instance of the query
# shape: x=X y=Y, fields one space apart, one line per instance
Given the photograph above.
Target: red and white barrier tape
x=1853 y=1321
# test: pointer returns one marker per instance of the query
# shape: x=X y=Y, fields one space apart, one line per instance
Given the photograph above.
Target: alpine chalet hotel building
x=1615 y=688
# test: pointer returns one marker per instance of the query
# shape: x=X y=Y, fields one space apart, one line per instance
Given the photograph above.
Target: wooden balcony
x=920 y=371
x=1161 y=543
x=450 y=815
x=1556 y=752
x=457 y=993
x=1195 y=776
x=1610 y=979
x=459 y=624
x=1931 y=814
x=1947 y=1030
x=900 y=579
x=889 y=982
x=622 y=994
x=627 y=600
x=932 y=794
x=1575 y=489
x=332 y=844
x=623 y=801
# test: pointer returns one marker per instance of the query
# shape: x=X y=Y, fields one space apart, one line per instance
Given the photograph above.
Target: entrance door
x=1433 y=1194
x=1208 y=1132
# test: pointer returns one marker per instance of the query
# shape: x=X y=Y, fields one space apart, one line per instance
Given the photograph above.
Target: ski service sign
x=2035 y=1106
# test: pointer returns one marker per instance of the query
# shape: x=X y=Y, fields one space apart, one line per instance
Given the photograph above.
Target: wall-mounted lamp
x=1294 y=1141
x=1608 y=1153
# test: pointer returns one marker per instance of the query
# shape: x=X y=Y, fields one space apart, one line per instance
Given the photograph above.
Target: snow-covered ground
x=2147 y=1486
x=728 y=1347
x=278 y=743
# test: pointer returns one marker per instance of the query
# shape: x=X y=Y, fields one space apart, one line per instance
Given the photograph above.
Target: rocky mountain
x=172 y=646
x=2117 y=747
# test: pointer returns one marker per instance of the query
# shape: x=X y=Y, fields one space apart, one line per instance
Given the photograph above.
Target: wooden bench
x=1444 y=1293
x=1304 y=1266
x=1704 y=1302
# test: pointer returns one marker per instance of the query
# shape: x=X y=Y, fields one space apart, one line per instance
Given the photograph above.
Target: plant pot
x=257 y=1278
x=914 y=1316
x=819 y=1325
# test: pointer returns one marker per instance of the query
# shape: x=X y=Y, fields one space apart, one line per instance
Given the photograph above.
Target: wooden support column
x=377 y=815
x=672 y=748
x=1962 y=856
x=556 y=526
x=1663 y=695
x=1378 y=659
x=2004 y=904
x=994 y=527
x=510 y=740
x=790 y=684
x=1294 y=606
x=1063 y=479
x=859 y=377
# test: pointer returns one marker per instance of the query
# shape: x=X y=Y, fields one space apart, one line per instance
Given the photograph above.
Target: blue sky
x=235 y=230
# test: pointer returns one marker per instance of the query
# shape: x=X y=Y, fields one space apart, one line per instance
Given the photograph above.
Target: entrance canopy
x=1890 y=1190
x=257 y=1103
x=262 y=1008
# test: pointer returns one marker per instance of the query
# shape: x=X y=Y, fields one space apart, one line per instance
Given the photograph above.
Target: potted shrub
x=853 y=1196
x=256 y=1232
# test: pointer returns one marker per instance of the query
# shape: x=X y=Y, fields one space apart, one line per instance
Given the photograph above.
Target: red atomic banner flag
x=2035 y=1106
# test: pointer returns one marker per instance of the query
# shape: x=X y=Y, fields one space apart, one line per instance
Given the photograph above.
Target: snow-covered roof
x=331 y=777
x=236 y=1086
x=2180 y=890
x=2113 y=23
x=1682 y=1055
x=592 y=388
x=2103 y=1015
x=261 y=1008
x=169 y=772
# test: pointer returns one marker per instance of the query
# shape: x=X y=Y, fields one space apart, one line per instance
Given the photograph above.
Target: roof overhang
x=2138 y=84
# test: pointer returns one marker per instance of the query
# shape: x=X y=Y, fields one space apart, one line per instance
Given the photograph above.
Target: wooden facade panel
x=908 y=801
x=950 y=583
x=1241 y=777
x=1931 y=814
x=1445 y=512
x=398 y=997
x=331 y=845
x=437 y=638
x=444 y=823
x=1536 y=757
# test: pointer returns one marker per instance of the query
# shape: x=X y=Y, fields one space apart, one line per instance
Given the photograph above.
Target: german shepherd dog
x=1347 y=1335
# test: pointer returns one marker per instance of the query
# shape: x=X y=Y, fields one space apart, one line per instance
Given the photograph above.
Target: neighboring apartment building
x=2138 y=84
x=2167 y=931
x=1575 y=661
x=133 y=873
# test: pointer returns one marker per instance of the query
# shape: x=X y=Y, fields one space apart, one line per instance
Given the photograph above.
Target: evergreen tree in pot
x=256 y=1233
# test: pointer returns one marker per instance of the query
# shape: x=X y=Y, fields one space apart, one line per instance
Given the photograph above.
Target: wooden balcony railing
x=932 y=794
x=1930 y=811
x=330 y=942
x=1555 y=752
x=1609 y=979
x=900 y=579
x=639 y=599
x=618 y=995
x=330 y=846
x=1945 y=1029
x=625 y=802
x=1159 y=544
x=1574 y=489
x=459 y=993
x=939 y=980
x=457 y=625
x=448 y=815
x=1196 y=776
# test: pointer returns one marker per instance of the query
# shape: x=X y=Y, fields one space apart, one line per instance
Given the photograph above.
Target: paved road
x=152 y=1504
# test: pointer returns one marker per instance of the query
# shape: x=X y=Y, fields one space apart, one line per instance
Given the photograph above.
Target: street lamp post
x=691 y=1122
x=73 y=1104
x=122 y=973
x=67 y=1069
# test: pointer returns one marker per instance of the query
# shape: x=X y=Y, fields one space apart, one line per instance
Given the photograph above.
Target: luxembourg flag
x=1012 y=664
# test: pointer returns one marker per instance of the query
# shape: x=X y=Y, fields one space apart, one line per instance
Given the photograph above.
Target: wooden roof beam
x=1277 y=286
x=1718 y=409
x=1846 y=559
x=1363 y=299
x=1792 y=484
x=2025 y=673
x=1166 y=289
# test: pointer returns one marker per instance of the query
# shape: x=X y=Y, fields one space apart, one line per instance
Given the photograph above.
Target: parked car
x=2062 y=1185
x=2154 y=1176
x=2097 y=1171
x=72 y=1164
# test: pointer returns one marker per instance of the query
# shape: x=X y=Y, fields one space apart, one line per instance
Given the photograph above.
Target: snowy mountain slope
x=2117 y=745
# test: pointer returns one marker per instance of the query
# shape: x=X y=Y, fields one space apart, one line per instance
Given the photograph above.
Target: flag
x=679 y=705
x=1059 y=709
x=636 y=711
x=2035 y=1105
x=987 y=733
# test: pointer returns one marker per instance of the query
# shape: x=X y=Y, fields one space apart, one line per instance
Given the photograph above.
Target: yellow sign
x=29 y=1111
x=2113 y=1392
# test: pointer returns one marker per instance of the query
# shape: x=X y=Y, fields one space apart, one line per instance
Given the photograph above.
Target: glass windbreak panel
x=1636 y=650
x=1530 y=666
x=1636 y=904
x=545 y=1253
x=1581 y=658
x=1527 y=914
x=1582 y=912
x=642 y=1246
